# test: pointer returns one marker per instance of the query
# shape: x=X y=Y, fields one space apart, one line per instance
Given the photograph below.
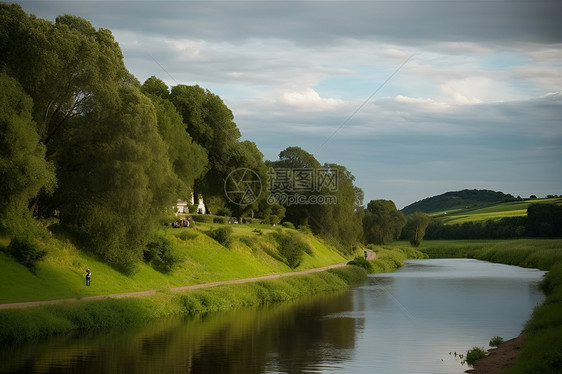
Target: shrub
x=496 y=341
x=224 y=212
x=26 y=253
x=159 y=254
x=222 y=220
x=291 y=247
x=221 y=235
x=204 y=218
x=361 y=262
x=288 y=225
x=474 y=355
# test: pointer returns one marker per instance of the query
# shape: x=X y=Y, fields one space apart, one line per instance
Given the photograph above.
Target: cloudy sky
x=415 y=98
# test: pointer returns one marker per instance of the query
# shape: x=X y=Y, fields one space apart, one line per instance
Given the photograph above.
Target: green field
x=493 y=212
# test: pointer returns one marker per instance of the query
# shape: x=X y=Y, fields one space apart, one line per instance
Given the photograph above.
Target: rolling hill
x=465 y=199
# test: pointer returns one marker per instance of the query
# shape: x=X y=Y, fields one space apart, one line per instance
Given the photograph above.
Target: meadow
x=493 y=212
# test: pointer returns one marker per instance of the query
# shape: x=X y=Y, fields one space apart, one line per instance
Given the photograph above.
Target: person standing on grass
x=88 y=276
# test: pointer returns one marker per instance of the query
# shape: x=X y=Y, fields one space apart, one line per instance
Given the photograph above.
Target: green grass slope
x=494 y=212
x=200 y=260
x=465 y=199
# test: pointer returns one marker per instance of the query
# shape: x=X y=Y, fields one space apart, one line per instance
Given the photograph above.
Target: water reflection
x=280 y=338
x=402 y=322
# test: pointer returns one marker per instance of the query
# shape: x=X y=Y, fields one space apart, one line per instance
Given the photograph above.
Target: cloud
x=476 y=105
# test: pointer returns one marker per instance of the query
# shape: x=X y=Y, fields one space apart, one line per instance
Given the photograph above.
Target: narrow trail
x=173 y=289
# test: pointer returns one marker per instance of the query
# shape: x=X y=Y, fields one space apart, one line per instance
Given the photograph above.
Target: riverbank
x=248 y=254
x=541 y=350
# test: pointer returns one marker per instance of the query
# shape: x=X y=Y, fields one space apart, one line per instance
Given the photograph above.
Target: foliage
x=223 y=235
x=188 y=159
x=211 y=125
x=474 y=354
x=362 y=262
x=495 y=341
x=23 y=169
x=159 y=254
x=544 y=220
x=414 y=230
x=291 y=247
x=115 y=179
x=26 y=253
x=288 y=225
x=382 y=222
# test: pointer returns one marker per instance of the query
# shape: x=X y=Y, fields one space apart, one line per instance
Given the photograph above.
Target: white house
x=182 y=206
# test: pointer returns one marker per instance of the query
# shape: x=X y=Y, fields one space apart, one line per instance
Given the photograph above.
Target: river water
x=409 y=321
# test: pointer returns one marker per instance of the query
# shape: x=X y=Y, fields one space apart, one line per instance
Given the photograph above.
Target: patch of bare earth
x=499 y=359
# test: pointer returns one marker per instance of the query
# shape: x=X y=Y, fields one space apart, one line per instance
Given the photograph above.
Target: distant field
x=493 y=212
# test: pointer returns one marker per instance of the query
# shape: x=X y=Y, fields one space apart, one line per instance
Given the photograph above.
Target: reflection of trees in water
x=289 y=337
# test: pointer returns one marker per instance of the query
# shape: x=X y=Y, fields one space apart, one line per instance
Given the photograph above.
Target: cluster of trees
x=82 y=138
x=542 y=220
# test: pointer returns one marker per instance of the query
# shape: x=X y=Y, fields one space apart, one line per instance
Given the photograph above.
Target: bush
x=159 y=254
x=474 y=355
x=361 y=262
x=222 y=220
x=204 y=218
x=224 y=212
x=221 y=235
x=26 y=253
x=496 y=341
x=291 y=247
x=288 y=225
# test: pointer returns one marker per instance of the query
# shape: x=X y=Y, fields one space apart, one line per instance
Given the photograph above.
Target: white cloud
x=310 y=100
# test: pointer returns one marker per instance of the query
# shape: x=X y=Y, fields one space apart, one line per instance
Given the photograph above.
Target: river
x=409 y=321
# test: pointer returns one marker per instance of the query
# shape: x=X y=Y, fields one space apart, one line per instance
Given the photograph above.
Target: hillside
x=465 y=199
x=492 y=212
x=252 y=251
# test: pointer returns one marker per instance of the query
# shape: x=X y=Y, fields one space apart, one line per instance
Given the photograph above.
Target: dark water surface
x=402 y=322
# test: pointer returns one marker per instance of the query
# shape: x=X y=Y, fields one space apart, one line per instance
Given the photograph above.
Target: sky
x=414 y=98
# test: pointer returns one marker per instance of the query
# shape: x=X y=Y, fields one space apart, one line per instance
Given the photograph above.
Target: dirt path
x=174 y=289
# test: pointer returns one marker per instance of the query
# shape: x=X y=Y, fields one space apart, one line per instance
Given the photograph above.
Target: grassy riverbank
x=251 y=252
x=542 y=349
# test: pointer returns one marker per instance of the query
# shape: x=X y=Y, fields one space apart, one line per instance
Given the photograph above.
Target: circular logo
x=242 y=186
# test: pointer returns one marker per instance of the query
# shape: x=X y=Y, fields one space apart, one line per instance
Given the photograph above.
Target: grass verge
x=20 y=324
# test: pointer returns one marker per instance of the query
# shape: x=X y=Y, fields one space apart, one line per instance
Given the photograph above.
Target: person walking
x=88 y=276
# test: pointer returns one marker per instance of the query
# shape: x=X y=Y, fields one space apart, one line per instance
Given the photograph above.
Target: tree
x=211 y=124
x=24 y=172
x=156 y=87
x=115 y=179
x=416 y=224
x=68 y=68
x=382 y=222
x=188 y=159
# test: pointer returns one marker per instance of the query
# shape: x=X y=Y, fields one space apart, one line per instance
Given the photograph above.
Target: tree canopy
x=382 y=222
